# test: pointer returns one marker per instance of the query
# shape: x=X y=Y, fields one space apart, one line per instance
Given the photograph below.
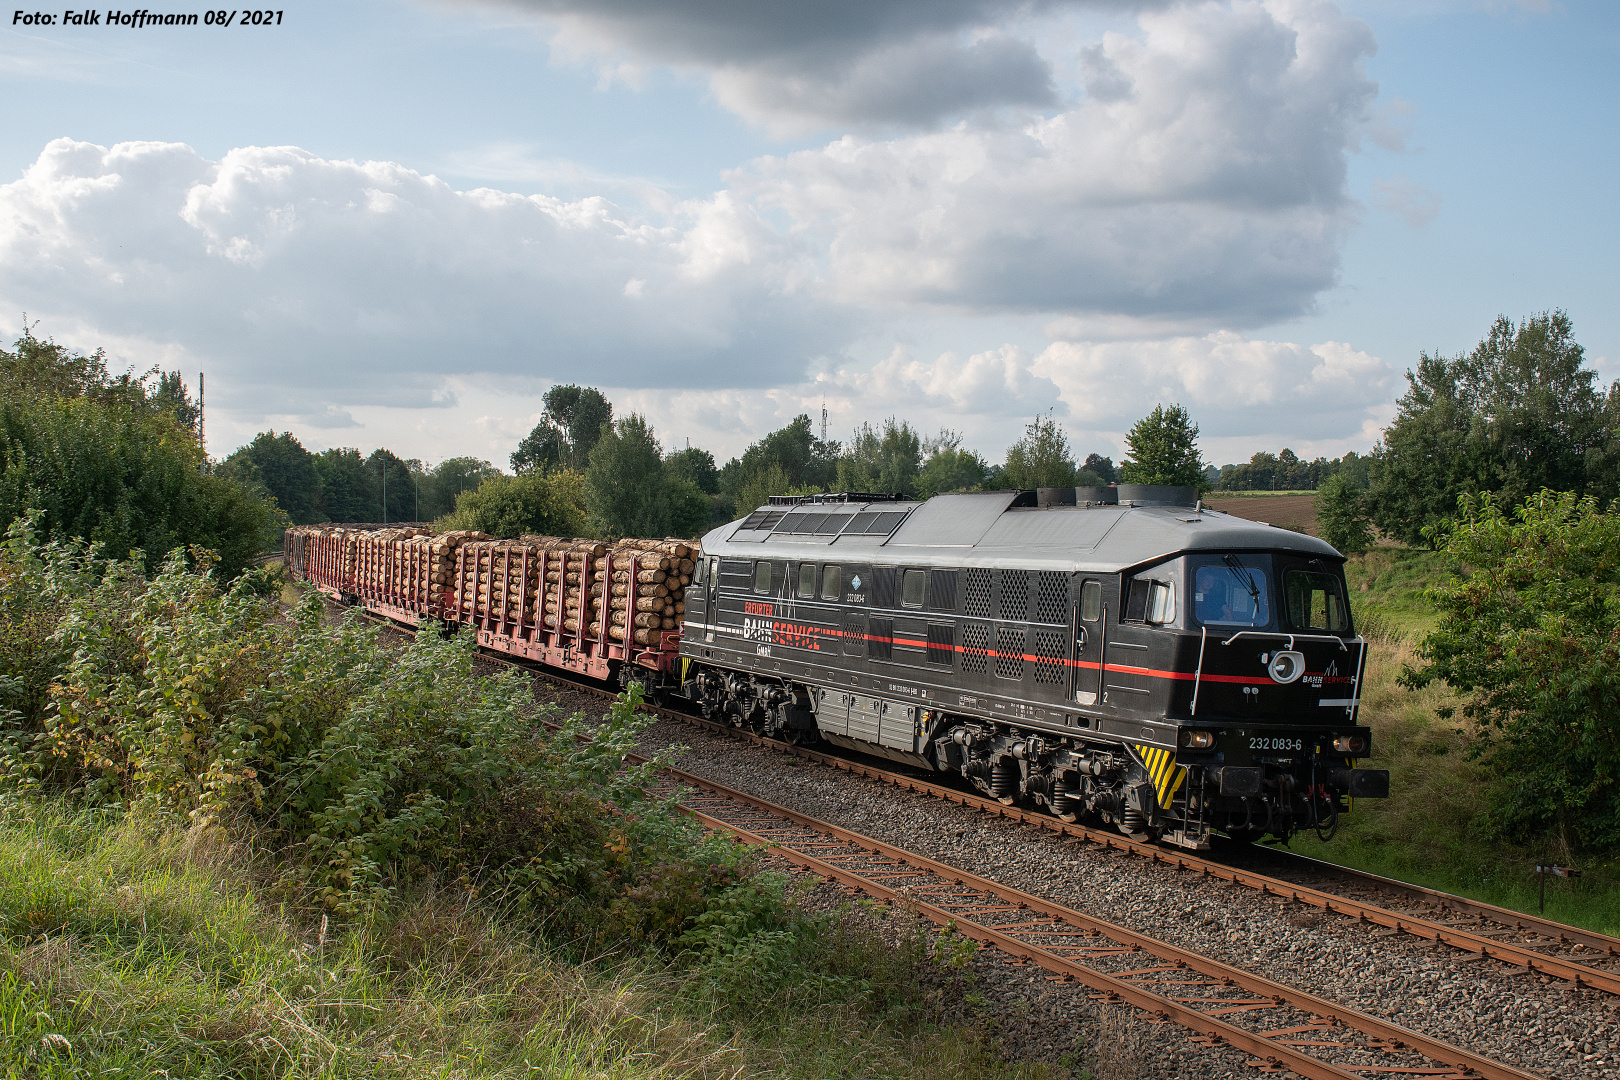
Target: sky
x=398 y=222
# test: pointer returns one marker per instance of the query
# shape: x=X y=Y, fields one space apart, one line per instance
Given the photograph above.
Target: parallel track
x=1282 y=1027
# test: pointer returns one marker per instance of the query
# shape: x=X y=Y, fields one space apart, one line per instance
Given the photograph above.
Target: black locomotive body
x=1167 y=668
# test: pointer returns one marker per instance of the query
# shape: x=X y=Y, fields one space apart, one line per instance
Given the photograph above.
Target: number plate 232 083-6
x=1268 y=743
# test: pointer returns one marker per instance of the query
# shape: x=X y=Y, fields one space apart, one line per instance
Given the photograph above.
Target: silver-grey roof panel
x=956 y=520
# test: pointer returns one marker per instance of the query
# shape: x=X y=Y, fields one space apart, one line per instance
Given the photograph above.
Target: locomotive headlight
x=1285 y=667
x=1349 y=744
x=1197 y=740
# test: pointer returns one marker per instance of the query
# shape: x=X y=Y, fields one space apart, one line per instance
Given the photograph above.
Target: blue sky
x=397 y=223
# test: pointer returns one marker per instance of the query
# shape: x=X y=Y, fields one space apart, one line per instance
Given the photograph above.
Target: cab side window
x=762 y=576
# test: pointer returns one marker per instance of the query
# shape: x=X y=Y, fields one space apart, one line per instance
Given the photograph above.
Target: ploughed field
x=1286 y=511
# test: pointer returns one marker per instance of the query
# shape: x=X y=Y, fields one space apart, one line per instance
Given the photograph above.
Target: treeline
x=581 y=470
x=116 y=460
x=1287 y=471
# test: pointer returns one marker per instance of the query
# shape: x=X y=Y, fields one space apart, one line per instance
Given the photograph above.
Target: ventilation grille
x=978 y=594
x=975 y=648
x=941 y=644
x=942 y=590
x=1052 y=598
x=880 y=639
x=1014 y=595
x=883 y=586
x=1049 y=656
x=854 y=635
x=1009 y=652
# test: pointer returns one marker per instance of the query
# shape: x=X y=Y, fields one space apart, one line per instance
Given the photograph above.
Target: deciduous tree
x=1041 y=458
x=1530 y=639
x=1164 y=450
x=1516 y=414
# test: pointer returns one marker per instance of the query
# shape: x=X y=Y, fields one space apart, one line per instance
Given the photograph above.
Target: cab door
x=1090 y=625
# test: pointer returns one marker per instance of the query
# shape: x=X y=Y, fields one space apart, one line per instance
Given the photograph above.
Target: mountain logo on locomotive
x=1123 y=653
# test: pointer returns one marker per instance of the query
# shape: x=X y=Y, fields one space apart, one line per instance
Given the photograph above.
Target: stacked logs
x=645 y=582
x=561 y=584
x=629 y=591
x=383 y=567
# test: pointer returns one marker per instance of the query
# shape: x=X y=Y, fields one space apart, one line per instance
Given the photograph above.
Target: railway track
x=1598 y=969
x=1280 y=1026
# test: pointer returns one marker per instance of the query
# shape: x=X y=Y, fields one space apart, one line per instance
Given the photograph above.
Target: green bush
x=1531 y=640
x=120 y=474
x=548 y=504
x=369 y=765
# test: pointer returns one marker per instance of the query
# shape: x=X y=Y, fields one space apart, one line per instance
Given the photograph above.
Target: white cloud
x=1204 y=187
x=305 y=284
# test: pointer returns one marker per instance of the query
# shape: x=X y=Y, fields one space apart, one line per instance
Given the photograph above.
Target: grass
x=1388 y=583
x=132 y=949
x=1425 y=832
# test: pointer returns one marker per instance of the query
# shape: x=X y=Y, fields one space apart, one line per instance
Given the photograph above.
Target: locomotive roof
x=995 y=528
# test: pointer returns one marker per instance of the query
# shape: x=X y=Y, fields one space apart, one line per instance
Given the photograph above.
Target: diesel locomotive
x=1122 y=653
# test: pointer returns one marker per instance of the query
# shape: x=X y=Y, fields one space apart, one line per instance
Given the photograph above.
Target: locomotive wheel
x=1069 y=817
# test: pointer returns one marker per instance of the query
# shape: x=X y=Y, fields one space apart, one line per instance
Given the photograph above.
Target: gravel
x=1530 y=1022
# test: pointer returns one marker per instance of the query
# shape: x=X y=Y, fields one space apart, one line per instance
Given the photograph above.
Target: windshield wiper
x=1244 y=576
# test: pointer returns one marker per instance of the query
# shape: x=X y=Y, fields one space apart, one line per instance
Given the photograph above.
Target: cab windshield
x=1316 y=602
x=1233 y=591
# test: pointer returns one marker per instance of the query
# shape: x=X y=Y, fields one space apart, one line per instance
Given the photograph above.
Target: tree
x=950 y=468
x=540 y=503
x=1041 y=458
x=448 y=479
x=127 y=477
x=771 y=480
x=885 y=462
x=694 y=465
x=1516 y=414
x=1530 y=639
x=1163 y=449
x=1341 y=519
x=394 y=483
x=802 y=461
x=347 y=490
x=44 y=369
x=281 y=465
x=568 y=432
x=541 y=449
x=625 y=490
x=1102 y=468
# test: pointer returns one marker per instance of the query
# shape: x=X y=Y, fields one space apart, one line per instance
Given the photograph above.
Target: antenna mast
x=823 y=419
x=202 y=443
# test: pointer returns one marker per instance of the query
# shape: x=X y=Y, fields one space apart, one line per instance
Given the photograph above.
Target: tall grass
x=129 y=948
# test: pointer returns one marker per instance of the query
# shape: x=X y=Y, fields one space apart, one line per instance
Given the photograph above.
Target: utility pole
x=201 y=442
x=823 y=419
x=385 y=492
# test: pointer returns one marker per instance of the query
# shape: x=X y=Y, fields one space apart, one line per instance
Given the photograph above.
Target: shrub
x=549 y=504
x=1532 y=642
x=369 y=765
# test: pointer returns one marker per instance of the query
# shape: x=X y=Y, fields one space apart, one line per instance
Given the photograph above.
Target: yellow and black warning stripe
x=1162 y=769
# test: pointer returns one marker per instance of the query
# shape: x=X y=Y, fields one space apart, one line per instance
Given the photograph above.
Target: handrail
x=1339 y=641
